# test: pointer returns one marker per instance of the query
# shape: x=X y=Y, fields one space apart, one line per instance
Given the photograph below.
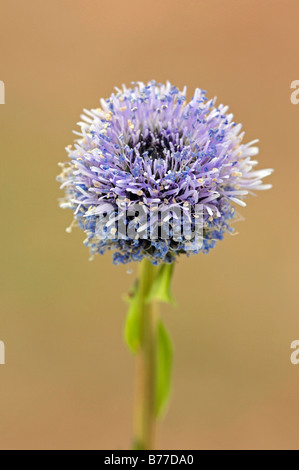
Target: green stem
x=145 y=416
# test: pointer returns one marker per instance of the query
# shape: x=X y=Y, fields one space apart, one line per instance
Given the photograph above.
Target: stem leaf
x=133 y=326
x=164 y=362
x=161 y=288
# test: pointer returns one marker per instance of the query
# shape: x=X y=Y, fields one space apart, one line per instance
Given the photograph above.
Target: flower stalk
x=149 y=341
x=145 y=416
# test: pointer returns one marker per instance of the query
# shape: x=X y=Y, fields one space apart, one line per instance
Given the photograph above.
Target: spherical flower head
x=147 y=163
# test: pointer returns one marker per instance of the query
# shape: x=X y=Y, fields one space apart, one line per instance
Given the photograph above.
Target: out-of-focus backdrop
x=68 y=378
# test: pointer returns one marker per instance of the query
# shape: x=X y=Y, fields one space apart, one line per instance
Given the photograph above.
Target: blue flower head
x=145 y=150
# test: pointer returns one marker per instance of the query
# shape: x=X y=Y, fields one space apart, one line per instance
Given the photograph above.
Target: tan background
x=68 y=378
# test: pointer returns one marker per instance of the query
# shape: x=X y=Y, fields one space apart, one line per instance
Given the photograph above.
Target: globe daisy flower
x=152 y=177
x=146 y=148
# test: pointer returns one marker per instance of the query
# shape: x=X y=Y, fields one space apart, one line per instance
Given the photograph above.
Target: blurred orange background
x=68 y=381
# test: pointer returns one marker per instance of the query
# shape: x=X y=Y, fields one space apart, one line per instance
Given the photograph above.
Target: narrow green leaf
x=163 y=369
x=132 y=326
x=161 y=289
